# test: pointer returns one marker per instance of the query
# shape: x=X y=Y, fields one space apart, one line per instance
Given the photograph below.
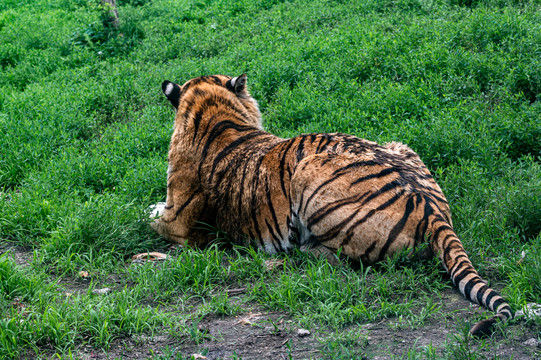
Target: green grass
x=85 y=130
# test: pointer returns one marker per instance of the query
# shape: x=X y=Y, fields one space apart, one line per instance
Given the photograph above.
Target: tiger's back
x=251 y=186
x=323 y=192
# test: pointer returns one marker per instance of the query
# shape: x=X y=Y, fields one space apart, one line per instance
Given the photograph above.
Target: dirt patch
x=256 y=335
x=263 y=335
x=259 y=334
x=444 y=333
x=22 y=255
x=225 y=338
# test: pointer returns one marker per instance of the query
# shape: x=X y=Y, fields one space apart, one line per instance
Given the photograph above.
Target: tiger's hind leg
x=358 y=206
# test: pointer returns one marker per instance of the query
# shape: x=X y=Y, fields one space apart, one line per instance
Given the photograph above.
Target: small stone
x=530 y=310
x=101 y=291
x=533 y=342
x=303 y=332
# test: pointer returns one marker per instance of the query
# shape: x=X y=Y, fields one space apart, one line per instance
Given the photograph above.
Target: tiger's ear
x=237 y=84
x=172 y=92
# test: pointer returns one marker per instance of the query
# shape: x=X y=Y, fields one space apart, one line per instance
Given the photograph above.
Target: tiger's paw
x=157 y=210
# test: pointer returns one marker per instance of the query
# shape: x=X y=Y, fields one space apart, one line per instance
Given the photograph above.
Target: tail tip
x=483 y=328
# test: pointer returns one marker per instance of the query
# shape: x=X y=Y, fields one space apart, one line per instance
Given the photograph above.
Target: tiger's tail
x=447 y=246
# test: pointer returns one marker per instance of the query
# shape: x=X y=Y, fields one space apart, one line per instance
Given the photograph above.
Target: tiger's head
x=225 y=90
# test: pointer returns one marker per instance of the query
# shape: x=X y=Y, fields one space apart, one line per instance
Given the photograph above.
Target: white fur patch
x=233 y=81
x=157 y=210
x=169 y=89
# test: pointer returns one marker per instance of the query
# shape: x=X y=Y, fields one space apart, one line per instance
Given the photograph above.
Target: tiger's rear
x=319 y=192
x=373 y=209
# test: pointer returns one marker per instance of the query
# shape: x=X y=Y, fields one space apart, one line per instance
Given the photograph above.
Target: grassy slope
x=84 y=131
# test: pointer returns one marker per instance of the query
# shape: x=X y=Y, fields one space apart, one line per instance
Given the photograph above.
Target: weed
x=220 y=306
x=427 y=352
x=346 y=345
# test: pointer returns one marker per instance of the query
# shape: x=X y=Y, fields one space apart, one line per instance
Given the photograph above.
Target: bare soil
x=259 y=334
x=259 y=340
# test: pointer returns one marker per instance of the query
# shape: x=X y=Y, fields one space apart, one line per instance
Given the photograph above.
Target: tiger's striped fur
x=321 y=192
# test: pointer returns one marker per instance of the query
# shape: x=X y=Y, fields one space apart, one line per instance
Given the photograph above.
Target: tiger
x=326 y=193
